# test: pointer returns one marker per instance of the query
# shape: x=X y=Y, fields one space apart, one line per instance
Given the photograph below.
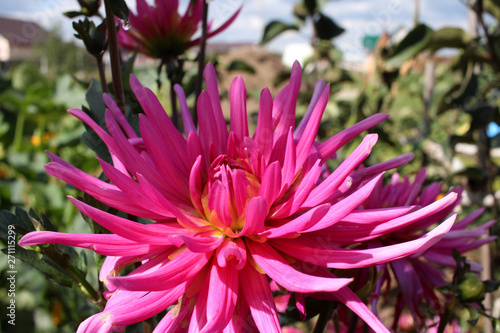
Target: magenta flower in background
x=418 y=275
x=232 y=212
x=162 y=32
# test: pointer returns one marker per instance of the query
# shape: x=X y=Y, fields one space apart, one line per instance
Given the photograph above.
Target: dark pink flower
x=162 y=32
x=232 y=212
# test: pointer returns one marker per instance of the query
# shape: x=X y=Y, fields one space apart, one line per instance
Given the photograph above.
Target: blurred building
x=18 y=39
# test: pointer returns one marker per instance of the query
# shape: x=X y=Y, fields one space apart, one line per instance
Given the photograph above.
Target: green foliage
x=274 y=29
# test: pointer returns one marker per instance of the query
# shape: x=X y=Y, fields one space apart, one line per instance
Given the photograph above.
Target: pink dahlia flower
x=162 y=32
x=418 y=275
x=230 y=212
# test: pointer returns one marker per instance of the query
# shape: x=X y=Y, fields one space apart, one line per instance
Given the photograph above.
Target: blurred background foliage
x=443 y=108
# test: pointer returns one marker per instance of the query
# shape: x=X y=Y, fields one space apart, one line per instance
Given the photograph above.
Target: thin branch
x=114 y=56
x=201 y=59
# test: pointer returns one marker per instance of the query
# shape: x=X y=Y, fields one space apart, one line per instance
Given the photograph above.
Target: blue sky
x=358 y=17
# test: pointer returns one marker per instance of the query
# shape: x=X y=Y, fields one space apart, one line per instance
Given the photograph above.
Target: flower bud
x=470 y=288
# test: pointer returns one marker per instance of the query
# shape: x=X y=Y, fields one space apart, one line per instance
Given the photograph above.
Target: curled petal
x=232 y=249
x=285 y=275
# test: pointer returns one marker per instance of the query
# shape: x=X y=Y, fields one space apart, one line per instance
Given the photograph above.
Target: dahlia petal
x=255 y=216
x=287 y=120
x=330 y=146
x=308 y=138
x=351 y=300
x=202 y=242
x=258 y=295
x=232 y=249
x=300 y=304
x=126 y=308
x=222 y=296
x=294 y=226
x=108 y=140
x=318 y=90
x=161 y=122
x=105 y=244
x=218 y=203
x=107 y=193
x=409 y=285
x=238 y=100
x=373 y=216
x=278 y=106
x=195 y=149
x=209 y=130
x=238 y=189
x=180 y=269
x=343 y=208
x=384 y=166
x=175 y=320
x=163 y=157
x=187 y=220
x=195 y=187
x=133 y=190
x=270 y=186
x=118 y=114
x=98 y=323
x=225 y=25
x=341 y=234
x=129 y=155
x=199 y=316
x=289 y=161
x=324 y=190
x=466 y=221
x=294 y=203
x=213 y=93
x=447 y=260
x=241 y=322
x=186 y=115
x=155 y=234
x=285 y=275
x=309 y=250
x=264 y=132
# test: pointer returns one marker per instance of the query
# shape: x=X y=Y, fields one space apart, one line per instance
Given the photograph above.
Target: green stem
x=102 y=75
x=114 y=56
x=201 y=60
x=18 y=134
x=173 y=102
x=86 y=287
x=445 y=318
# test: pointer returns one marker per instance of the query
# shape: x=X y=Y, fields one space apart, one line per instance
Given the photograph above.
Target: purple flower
x=232 y=212
x=418 y=275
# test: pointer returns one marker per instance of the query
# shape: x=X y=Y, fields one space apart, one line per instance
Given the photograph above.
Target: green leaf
x=119 y=8
x=311 y=6
x=72 y=14
x=274 y=29
x=300 y=11
x=325 y=27
x=491 y=285
x=415 y=42
x=46 y=266
x=21 y=221
x=240 y=65
x=94 y=142
x=449 y=37
x=95 y=101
